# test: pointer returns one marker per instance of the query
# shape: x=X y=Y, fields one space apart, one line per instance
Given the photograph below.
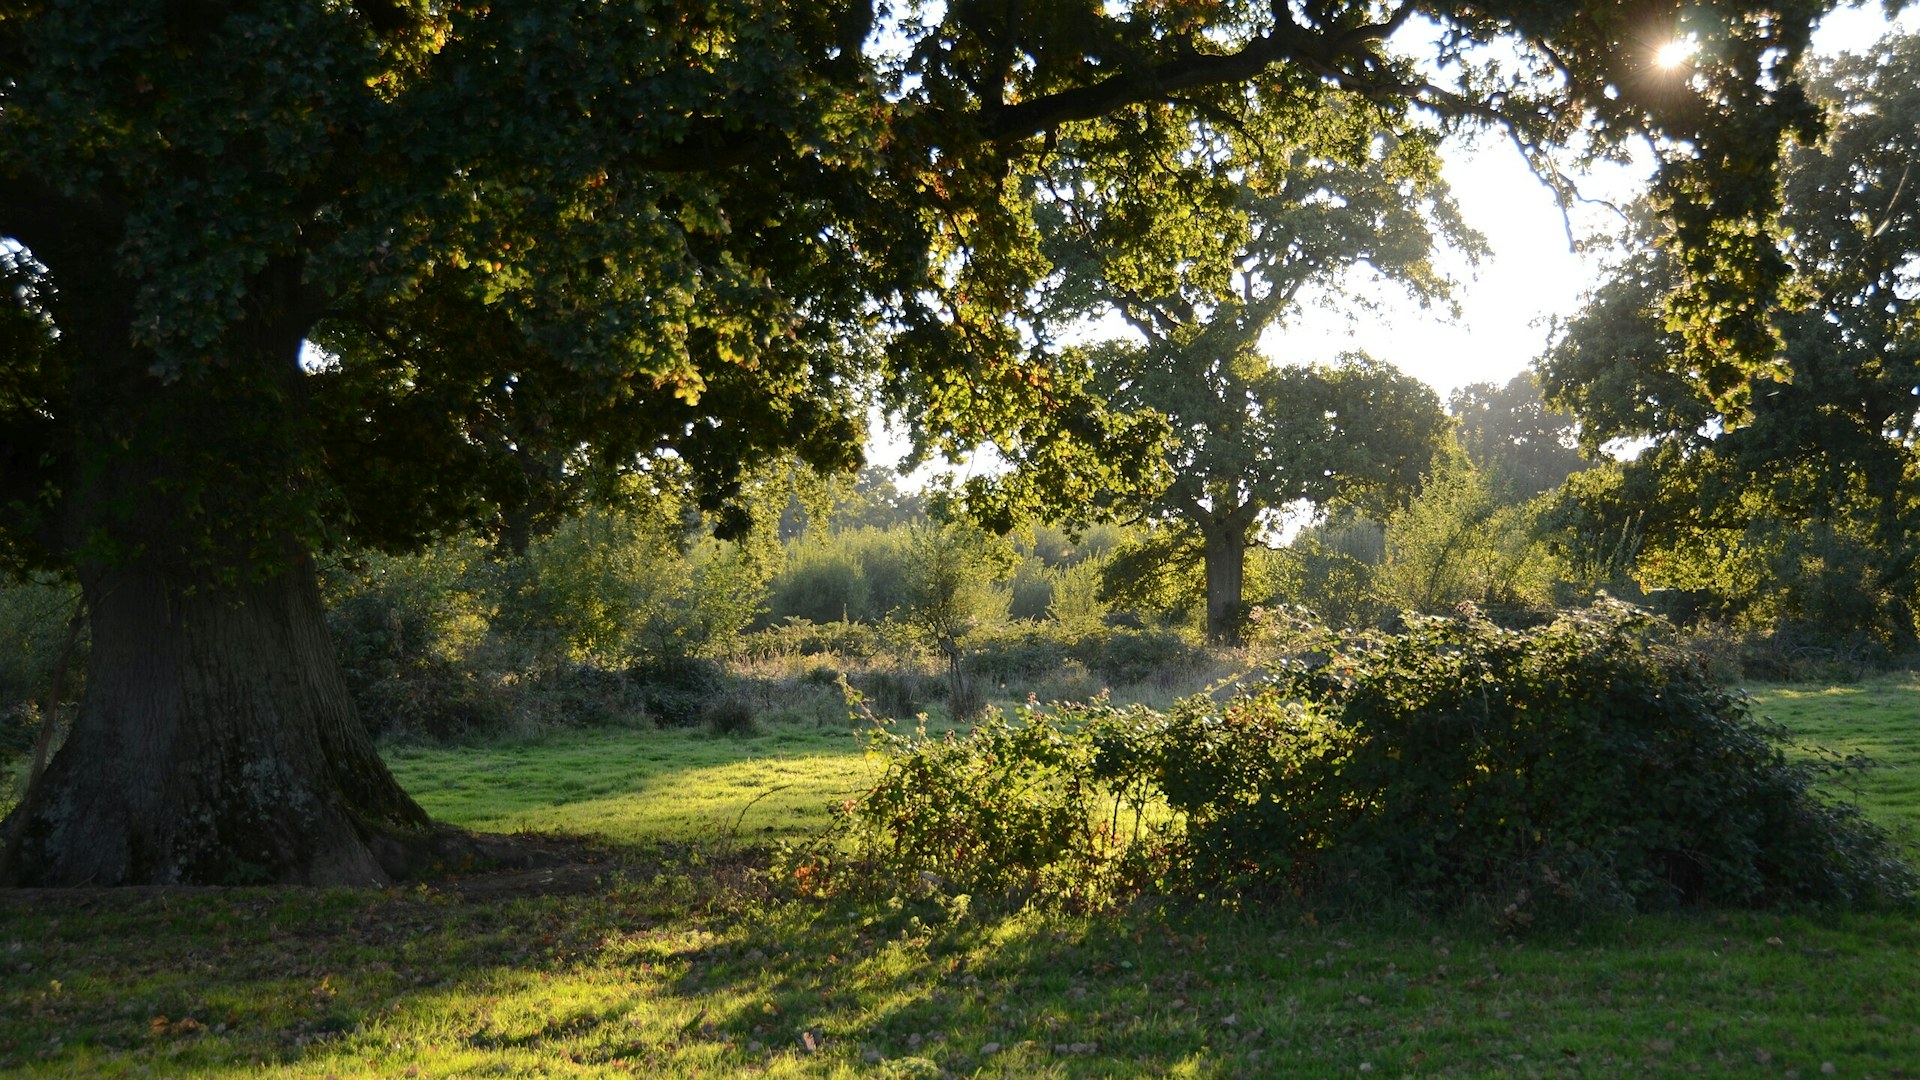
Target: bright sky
x=1531 y=274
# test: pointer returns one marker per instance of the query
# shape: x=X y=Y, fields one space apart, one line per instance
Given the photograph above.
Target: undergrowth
x=1577 y=767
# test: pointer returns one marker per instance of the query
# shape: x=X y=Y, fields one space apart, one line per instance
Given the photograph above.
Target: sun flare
x=1676 y=53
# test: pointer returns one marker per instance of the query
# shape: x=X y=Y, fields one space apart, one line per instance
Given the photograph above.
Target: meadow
x=661 y=947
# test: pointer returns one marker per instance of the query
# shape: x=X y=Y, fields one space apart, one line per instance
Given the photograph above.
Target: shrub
x=730 y=716
x=1076 y=605
x=1030 y=590
x=821 y=675
x=634 y=586
x=897 y=695
x=1006 y=811
x=821 y=583
x=798 y=637
x=677 y=690
x=1017 y=655
x=1589 y=756
x=1587 y=764
x=407 y=629
x=1126 y=657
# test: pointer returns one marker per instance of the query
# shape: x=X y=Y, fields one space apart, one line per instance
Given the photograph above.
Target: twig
x=735 y=831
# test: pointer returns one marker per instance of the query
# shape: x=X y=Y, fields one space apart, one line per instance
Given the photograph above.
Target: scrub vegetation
x=665 y=946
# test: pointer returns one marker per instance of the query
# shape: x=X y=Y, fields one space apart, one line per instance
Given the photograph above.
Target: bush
x=798 y=637
x=1030 y=590
x=730 y=716
x=897 y=695
x=1128 y=657
x=1586 y=764
x=1017 y=656
x=407 y=629
x=633 y=586
x=1006 y=811
x=676 y=691
x=1588 y=757
x=821 y=583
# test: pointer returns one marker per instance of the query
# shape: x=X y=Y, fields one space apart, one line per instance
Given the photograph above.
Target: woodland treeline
x=636 y=612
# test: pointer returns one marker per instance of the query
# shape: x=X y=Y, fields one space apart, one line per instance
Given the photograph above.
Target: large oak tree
x=543 y=242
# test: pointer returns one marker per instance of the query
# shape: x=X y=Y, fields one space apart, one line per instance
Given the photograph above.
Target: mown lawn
x=681 y=963
x=1878 y=719
x=629 y=787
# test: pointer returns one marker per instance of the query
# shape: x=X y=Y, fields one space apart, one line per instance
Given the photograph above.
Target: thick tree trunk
x=1226 y=557
x=216 y=744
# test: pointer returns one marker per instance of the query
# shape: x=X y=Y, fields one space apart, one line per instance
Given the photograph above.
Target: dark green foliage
x=799 y=637
x=898 y=695
x=1032 y=590
x=1122 y=656
x=33 y=625
x=1581 y=766
x=855 y=575
x=1791 y=495
x=821 y=675
x=1126 y=656
x=1022 y=655
x=819 y=585
x=730 y=716
x=1329 y=570
x=1587 y=757
x=407 y=630
x=677 y=691
x=1254 y=784
x=1006 y=811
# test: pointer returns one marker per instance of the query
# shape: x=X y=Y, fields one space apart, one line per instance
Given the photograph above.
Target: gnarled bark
x=216 y=744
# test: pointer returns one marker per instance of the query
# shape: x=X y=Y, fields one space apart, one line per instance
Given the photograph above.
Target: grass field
x=1880 y=720
x=679 y=964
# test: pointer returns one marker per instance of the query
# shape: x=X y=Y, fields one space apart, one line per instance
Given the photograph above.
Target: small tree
x=1456 y=543
x=642 y=586
x=952 y=591
x=1077 y=606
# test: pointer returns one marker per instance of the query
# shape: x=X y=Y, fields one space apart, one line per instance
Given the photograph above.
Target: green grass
x=631 y=786
x=1878 y=719
x=685 y=965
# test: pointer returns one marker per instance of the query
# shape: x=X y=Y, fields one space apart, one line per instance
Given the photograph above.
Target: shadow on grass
x=671 y=961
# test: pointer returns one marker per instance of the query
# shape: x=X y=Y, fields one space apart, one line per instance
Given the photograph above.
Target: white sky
x=1530 y=275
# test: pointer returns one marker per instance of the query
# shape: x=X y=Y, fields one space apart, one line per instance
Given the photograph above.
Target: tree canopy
x=544 y=244
x=1218 y=241
x=1822 y=436
x=1525 y=447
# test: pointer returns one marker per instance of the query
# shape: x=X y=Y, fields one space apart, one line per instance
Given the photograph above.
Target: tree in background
x=1458 y=541
x=1793 y=496
x=953 y=590
x=1523 y=446
x=1256 y=439
x=1234 y=226
x=837 y=501
x=545 y=244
